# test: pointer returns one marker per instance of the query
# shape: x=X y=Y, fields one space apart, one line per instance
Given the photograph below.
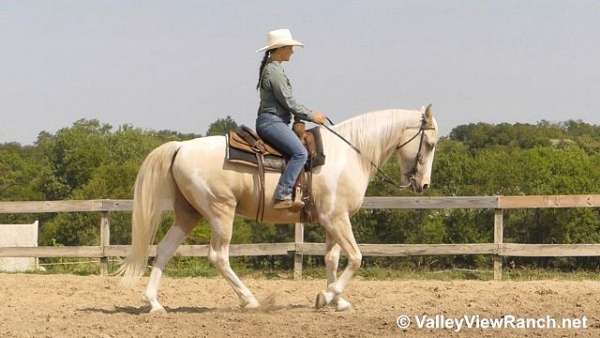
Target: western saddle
x=246 y=147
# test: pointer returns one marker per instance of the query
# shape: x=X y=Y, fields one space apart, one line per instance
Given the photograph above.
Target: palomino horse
x=195 y=180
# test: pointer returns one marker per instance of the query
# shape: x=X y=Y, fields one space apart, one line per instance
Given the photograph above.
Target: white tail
x=154 y=192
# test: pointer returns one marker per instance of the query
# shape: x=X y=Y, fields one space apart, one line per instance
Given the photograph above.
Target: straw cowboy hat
x=279 y=38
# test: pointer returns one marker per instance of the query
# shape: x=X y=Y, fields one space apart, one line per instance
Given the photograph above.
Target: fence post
x=298 y=239
x=498 y=240
x=104 y=241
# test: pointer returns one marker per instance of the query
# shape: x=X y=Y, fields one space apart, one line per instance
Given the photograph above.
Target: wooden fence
x=299 y=248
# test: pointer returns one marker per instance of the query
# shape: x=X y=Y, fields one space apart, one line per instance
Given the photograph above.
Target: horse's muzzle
x=415 y=187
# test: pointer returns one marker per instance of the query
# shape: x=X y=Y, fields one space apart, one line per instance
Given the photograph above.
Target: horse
x=194 y=179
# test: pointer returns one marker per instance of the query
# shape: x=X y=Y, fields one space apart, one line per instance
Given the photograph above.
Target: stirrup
x=288 y=203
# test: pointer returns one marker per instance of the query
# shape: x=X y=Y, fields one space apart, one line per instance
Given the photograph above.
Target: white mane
x=374 y=133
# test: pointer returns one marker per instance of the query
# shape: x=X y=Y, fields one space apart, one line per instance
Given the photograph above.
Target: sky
x=181 y=65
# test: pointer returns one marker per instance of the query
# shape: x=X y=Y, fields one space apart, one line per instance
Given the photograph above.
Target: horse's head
x=416 y=150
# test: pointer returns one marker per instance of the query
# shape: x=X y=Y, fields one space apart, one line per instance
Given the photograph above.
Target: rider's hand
x=319 y=118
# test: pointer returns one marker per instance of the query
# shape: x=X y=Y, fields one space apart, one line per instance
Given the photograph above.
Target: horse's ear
x=428 y=114
x=428 y=117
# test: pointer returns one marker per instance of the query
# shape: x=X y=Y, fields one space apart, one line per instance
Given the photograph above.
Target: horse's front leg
x=340 y=230
x=332 y=259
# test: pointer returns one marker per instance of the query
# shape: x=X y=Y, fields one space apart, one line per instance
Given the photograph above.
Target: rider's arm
x=282 y=90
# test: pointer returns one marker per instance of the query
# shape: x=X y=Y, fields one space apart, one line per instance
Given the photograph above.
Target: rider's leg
x=274 y=131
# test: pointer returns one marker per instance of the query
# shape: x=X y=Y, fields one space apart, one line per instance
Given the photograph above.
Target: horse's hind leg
x=332 y=259
x=221 y=221
x=186 y=219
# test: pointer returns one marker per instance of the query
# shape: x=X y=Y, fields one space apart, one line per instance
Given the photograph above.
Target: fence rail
x=299 y=248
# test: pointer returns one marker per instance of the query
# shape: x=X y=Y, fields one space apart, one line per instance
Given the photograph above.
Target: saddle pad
x=270 y=162
x=239 y=151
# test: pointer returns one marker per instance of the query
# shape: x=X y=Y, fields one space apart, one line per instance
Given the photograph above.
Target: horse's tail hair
x=154 y=192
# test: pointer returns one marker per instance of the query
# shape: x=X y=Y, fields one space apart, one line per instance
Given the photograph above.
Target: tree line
x=94 y=160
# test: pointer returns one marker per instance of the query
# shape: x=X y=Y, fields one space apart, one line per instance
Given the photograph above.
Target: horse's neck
x=376 y=134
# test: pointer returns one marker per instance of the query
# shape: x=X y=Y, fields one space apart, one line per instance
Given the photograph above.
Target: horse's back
x=200 y=164
x=204 y=144
x=204 y=175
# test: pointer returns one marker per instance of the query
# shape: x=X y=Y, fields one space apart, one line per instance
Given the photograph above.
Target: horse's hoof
x=342 y=305
x=323 y=299
x=251 y=304
x=158 y=310
x=320 y=301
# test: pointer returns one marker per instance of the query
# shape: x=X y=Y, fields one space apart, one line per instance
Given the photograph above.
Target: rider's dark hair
x=263 y=63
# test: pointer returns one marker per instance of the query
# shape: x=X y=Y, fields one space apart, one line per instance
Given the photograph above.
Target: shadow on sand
x=145 y=310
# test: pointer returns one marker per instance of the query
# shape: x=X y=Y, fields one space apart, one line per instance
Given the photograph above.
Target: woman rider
x=274 y=113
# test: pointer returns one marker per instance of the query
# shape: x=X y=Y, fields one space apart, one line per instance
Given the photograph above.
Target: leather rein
x=386 y=177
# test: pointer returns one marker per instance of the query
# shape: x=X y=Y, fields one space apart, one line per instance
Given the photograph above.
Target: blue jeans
x=278 y=134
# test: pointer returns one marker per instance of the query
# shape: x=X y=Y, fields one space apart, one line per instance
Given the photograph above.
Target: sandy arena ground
x=93 y=306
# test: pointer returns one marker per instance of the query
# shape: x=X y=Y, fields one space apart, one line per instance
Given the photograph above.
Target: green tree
x=221 y=126
x=93 y=160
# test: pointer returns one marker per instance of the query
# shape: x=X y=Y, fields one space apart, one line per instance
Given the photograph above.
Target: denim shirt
x=276 y=95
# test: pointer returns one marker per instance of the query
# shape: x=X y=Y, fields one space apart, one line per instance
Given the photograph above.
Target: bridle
x=386 y=178
x=419 y=157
